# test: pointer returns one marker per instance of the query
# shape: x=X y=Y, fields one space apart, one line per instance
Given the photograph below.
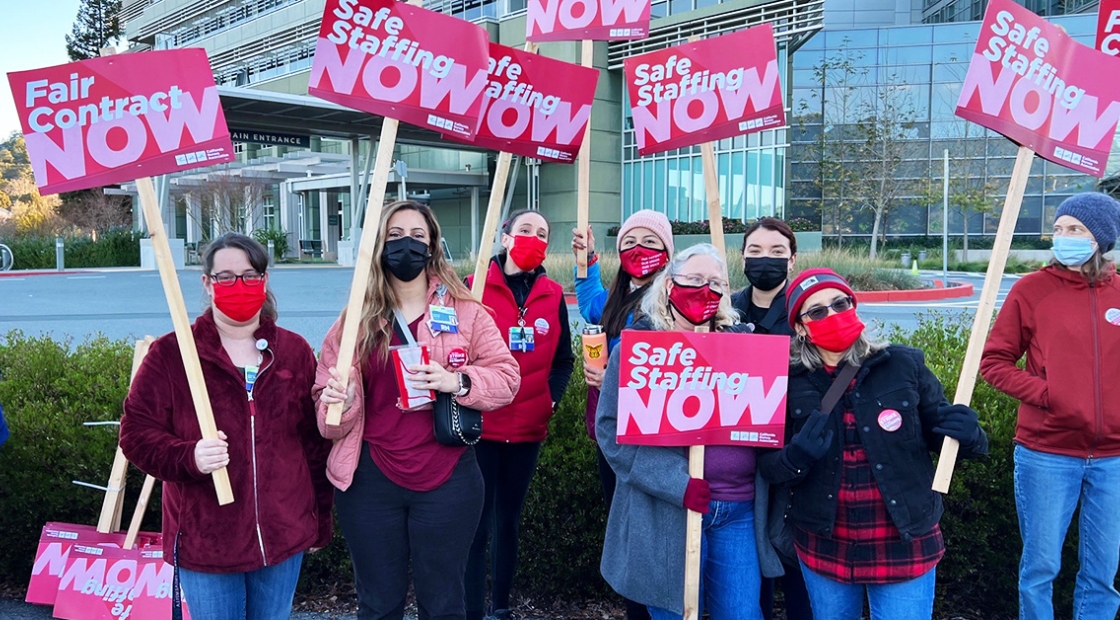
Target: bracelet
x=592 y=258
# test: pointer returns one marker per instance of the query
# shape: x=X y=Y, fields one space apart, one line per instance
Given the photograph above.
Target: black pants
x=507 y=470
x=387 y=525
x=796 y=596
x=634 y=610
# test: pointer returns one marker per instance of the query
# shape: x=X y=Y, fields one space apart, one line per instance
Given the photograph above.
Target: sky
x=32 y=35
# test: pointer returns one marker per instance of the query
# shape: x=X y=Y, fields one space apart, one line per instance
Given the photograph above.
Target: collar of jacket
x=209 y=342
x=1075 y=278
x=822 y=380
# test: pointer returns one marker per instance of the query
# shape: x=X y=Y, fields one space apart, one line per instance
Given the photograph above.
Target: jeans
x=729 y=573
x=263 y=594
x=908 y=600
x=1048 y=487
x=507 y=469
x=390 y=529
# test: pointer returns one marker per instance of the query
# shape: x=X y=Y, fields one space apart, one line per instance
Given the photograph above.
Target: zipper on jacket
x=1096 y=371
x=253 y=445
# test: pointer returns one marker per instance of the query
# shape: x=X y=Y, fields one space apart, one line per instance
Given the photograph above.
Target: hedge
x=118 y=247
x=49 y=388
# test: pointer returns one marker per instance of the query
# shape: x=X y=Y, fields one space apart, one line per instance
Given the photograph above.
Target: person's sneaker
x=499 y=614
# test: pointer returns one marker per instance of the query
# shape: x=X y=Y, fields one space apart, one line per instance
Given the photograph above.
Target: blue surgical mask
x=1073 y=251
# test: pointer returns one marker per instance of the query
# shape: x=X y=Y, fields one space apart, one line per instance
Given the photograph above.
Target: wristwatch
x=464 y=384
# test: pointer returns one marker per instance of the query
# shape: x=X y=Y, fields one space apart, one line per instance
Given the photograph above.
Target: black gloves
x=959 y=422
x=810 y=443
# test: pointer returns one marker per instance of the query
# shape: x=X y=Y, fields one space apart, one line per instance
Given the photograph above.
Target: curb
x=954 y=291
x=32 y=272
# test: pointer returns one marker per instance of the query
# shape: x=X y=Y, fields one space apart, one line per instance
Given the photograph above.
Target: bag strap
x=401 y=327
x=839 y=386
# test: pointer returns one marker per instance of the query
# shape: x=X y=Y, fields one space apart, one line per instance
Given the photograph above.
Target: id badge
x=443 y=319
x=251 y=373
x=521 y=339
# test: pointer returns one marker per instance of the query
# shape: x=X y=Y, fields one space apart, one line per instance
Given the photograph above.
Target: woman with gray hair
x=644 y=550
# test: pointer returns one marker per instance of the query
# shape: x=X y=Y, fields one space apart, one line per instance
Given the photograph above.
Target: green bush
x=278 y=238
x=118 y=247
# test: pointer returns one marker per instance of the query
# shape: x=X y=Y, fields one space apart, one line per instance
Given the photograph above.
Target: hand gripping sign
x=691 y=389
x=704 y=91
x=1031 y=82
x=535 y=106
x=114 y=119
x=597 y=20
x=403 y=62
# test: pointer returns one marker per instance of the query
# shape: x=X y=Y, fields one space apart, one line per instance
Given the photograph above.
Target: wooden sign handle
x=711 y=195
x=110 y=520
x=693 y=534
x=138 y=514
x=490 y=233
x=983 y=319
x=583 y=185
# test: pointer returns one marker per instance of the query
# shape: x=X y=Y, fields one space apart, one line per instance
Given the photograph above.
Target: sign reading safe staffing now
x=692 y=389
x=118 y=118
x=1031 y=82
x=403 y=62
x=578 y=20
x=535 y=106
x=700 y=92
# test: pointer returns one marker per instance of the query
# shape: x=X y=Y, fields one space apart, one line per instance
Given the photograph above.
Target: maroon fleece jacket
x=282 y=498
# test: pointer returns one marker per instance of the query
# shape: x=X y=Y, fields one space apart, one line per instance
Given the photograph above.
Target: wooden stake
x=138 y=515
x=711 y=195
x=490 y=233
x=111 y=508
x=983 y=320
x=693 y=534
x=583 y=187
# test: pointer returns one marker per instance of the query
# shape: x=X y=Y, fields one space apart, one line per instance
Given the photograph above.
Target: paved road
x=130 y=303
x=18 y=610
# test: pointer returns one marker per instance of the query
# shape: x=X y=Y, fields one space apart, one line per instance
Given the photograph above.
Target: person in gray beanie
x=1066 y=319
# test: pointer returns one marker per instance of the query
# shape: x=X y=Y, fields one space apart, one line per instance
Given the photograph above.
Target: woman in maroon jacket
x=1066 y=318
x=242 y=560
x=531 y=314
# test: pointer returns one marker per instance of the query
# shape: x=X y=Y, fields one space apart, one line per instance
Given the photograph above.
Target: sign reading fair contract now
x=704 y=91
x=118 y=118
x=535 y=106
x=403 y=62
x=692 y=389
x=1031 y=82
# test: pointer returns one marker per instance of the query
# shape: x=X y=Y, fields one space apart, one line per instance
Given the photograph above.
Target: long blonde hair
x=655 y=303
x=377 y=310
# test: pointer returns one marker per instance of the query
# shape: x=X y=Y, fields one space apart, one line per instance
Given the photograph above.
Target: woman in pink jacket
x=401 y=495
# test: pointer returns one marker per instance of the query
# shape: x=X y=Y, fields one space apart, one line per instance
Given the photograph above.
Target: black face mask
x=766 y=273
x=405 y=258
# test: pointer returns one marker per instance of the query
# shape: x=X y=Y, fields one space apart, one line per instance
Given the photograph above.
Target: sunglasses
x=817 y=313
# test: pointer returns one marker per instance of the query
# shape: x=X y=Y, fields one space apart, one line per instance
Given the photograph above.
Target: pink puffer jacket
x=494 y=375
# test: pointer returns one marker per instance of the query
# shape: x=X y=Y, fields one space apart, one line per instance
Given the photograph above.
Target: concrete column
x=194 y=218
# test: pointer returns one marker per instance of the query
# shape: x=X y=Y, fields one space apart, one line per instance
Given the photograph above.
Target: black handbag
x=454 y=424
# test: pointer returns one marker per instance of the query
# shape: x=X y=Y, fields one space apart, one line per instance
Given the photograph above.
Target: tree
x=96 y=211
x=97 y=25
x=226 y=203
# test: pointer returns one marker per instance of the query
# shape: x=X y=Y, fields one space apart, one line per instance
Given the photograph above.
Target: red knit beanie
x=810 y=281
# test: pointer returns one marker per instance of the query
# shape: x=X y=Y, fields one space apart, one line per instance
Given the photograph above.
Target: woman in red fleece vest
x=1066 y=319
x=242 y=560
x=531 y=314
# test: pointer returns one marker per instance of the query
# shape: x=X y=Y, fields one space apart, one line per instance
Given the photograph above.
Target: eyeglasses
x=226 y=278
x=696 y=281
x=817 y=313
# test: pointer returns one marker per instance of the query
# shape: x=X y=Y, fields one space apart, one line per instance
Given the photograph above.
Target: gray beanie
x=1099 y=212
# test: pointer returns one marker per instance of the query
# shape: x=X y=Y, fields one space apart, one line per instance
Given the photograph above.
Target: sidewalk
x=18 y=610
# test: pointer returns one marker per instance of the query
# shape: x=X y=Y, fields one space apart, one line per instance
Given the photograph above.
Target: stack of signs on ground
x=535 y=106
x=705 y=91
x=694 y=389
x=403 y=62
x=577 y=20
x=118 y=118
x=1031 y=82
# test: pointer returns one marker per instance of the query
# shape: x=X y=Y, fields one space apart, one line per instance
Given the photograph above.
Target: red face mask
x=640 y=261
x=835 y=332
x=239 y=302
x=697 y=304
x=528 y=252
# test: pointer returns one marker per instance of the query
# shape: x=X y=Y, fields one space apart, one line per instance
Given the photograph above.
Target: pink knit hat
x=653 y=220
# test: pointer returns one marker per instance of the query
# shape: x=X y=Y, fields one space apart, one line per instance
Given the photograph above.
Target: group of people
x=842 y=516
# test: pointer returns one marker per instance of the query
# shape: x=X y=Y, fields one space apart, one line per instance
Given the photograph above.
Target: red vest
x=526 y=418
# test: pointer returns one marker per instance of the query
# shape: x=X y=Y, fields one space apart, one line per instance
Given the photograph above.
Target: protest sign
x=109 y=583
x=1031 y=82
x=402 y=62
x=596 y=20
x=113 y=119
x=535 y=106
x=705 y=90
x=1108 y=27
x=53 y=555
x=692 y=389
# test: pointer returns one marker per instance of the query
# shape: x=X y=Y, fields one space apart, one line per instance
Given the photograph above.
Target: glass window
x=753 y=193
x=699 y=209
x=738 y=186
x=907 y=55
x=658 y=9
x=955 y=33
x=659 y=184
x=723 y=164
x=766 y=182
x=685 y=191
x=672 y=193
x=647 y=185
x=908 y=36
x=677 y=7
x=628 y=199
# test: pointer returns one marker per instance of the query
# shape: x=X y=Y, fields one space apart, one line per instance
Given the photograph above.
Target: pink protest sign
x=118 y=118
x=692 y=389
x=1108 y=27
x=704 y=91
x=1031 y=82
x=108 y=583
x=404 y=62
x=53 y=554
x=535 y=106
x=577 y=20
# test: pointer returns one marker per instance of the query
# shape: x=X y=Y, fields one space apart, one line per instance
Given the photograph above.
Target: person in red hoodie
x=530 y=311
x=1066 y=319
x=240 y=561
